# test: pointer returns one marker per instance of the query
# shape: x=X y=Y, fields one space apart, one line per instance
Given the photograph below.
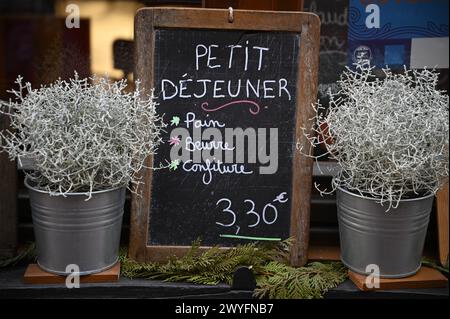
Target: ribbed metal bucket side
x=72 y=230
x=391 y=240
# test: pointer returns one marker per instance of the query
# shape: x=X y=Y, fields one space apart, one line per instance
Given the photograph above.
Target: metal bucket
x=391 y=240
x=74 y=231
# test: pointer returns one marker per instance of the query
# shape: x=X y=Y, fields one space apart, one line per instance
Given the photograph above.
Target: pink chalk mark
x=252 y=111
x=174 y=140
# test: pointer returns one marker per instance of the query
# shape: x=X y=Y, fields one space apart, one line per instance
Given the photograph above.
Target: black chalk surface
x=235 y=91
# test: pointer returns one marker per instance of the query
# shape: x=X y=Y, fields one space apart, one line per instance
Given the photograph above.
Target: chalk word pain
x=268 y=216
x=192 y=121
x=205 y=106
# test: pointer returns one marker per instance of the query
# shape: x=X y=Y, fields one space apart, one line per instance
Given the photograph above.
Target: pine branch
x=311 y=281
x=275 y=279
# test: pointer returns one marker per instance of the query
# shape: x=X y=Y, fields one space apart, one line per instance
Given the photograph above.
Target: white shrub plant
x=83 y=135
x=388 y=134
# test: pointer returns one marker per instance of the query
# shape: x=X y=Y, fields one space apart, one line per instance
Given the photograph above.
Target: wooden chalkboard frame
x=308 y=26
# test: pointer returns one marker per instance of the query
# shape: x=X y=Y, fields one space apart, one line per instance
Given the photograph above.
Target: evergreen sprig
x=211 y=267
x=312 y=281
x=275 y=279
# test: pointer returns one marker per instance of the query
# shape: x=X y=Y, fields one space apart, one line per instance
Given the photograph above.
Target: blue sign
x=399 y=32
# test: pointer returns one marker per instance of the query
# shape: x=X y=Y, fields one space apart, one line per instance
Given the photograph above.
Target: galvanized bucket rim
x=340 y=188
x=70 y=194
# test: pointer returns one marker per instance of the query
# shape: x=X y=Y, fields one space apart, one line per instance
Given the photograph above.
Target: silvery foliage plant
x=389 y=133
x=83 y=135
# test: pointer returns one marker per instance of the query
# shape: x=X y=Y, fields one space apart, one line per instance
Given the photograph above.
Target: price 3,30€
x=268 y=215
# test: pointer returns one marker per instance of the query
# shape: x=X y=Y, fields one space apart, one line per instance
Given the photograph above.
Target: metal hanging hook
x=230 y=15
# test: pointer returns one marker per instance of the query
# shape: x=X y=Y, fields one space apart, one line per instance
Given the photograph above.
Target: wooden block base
x=425 y=278
x=35 y=275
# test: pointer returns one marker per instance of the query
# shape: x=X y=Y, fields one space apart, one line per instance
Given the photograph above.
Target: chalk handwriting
x=268 y=215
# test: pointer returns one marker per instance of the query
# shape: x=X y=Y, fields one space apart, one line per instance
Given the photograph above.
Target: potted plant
x=389 y=136
x=87 y=139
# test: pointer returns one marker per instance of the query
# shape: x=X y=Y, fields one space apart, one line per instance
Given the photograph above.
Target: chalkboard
x=333 y=49
x=235 y=99
x=333 y=41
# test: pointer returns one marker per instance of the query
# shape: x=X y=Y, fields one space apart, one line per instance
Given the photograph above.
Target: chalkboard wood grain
x=213 y=75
